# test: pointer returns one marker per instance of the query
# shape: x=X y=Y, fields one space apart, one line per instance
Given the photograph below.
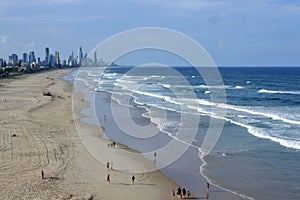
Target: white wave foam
x=247 y=110
x=268 y=115
x=238 y=87
x=164 y=85
x=196 y=86
x=278 y=92
x=260 y=133
x=125 y=81
x=110 y=76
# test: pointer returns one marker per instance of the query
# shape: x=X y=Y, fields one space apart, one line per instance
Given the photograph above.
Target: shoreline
x=46 y=139
x=217 y=192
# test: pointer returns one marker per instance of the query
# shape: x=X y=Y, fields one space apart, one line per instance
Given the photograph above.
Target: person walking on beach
x=154 y=156
x=179 y=192
x=188 y=194
x=207 y=190
x=107 y=165
x=43 y=175
x=133 y=178
x=108 y=178
x=183 y=192
x=173 y=194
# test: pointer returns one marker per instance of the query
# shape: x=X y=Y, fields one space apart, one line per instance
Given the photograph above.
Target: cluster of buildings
x=29 y=62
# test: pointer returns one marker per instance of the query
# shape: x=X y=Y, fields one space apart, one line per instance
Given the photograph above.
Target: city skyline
x=53 y=59
x=29 y=62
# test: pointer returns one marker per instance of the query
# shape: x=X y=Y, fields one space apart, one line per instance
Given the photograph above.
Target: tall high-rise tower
x=25 y=57
x=57 y=61
x=95 y=58
x=31 y=57
x=47 y=55
x=80 y=55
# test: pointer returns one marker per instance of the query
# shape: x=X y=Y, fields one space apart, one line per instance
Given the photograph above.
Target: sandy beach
x=38 y=133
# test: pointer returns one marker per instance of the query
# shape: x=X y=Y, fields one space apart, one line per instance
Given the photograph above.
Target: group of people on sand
x=181 y=193
x=108 y=178
x=113 y=144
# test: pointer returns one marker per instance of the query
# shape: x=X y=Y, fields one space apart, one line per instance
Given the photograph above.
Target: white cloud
x=215 y=19
x=32 y=44
x=4 y=39
x=43 y=2
x=12 y=3
x=199 y=5
x=51 y=18
x=184 y=4
x=221 y=45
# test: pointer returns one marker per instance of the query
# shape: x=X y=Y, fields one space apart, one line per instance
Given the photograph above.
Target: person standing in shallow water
x=207 y=190
x=133 y=178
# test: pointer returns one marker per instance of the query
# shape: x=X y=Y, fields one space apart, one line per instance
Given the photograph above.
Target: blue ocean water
x=258 y=152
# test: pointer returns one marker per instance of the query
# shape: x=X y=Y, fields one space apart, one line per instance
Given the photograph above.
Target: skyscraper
x=13 y=59
x=80 y=55
x=1 y=62
x=31 y=57
x=25 y=57
x=51 y=60
x=47 y=55
x=72 y=56
x=95 y=58
x=57 y=61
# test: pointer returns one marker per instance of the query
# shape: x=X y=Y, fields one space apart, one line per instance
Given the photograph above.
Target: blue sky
x=234 y=32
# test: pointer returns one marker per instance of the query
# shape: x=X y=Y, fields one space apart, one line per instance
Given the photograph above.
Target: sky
x=233 y=32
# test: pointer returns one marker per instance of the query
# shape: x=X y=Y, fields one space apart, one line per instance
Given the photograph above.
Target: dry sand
x=37 y=133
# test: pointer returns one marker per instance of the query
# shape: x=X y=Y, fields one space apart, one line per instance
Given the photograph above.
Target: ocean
x=257 y=153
